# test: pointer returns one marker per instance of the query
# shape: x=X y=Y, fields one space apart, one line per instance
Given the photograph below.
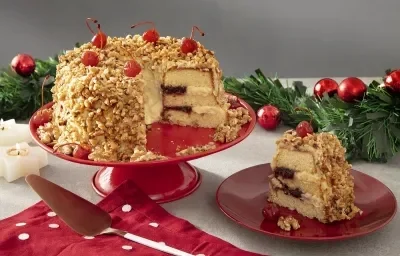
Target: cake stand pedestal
x=163 y=180
x=163 y=184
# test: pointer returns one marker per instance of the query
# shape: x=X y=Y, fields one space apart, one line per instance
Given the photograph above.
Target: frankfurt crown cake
x=312 y=176
x=108 y=92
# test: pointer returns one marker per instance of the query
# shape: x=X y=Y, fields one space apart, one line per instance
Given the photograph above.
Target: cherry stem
x=43 y=84
x=66 y=144
x=305 y=110
x=128 y=52
x=144 y=22
x=198 y=29
x=95 y=22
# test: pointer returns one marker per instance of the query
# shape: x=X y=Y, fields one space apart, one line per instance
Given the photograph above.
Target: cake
x=105 y=108
x=312 y=176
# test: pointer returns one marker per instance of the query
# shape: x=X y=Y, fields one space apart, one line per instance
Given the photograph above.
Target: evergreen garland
x=368 y=129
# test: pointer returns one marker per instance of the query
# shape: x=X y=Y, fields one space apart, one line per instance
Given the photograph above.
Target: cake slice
x=190 y=98
x=312 y=176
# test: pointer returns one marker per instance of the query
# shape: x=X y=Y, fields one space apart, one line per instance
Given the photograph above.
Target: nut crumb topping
x=229 y=131
x=196 y=149
x=288 y=223
x=140 y=154
x=101 y=107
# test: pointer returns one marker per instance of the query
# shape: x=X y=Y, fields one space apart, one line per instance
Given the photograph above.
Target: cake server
x=84 y=217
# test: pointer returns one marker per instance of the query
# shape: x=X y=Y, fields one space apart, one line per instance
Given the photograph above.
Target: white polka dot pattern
x=126 y=208
x=53 y=225
x=20 y=224
x=153 y=224
x=88 y=237
x=127 y=247
x=23 y=236
x=162 y=243
x=51 y=214
x=200 y=255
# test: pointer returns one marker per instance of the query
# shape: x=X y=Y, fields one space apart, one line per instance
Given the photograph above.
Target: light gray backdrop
x=295 y=38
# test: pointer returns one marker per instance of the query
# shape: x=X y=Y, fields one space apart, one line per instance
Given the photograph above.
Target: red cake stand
x=163 y=180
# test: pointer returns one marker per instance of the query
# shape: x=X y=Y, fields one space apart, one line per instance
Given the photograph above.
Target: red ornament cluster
x=268 y=117
x=23 y=64
x=392 y=81
x=189 y=45
x=151 y=35
x=349 y=90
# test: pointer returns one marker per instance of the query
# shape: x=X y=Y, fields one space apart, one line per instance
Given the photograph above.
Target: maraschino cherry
x=42 y=116
x=132 y=68
x=270 y=212
x=81 y=151
x=189 y=44
x=151 y=35
x=304 y=128
x=90 y=58
x=99 y=39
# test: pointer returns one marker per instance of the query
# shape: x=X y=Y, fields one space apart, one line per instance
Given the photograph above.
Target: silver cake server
x=84 y=217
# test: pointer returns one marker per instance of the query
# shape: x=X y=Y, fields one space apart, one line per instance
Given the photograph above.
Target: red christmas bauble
x=268 y=117
x=23 y=64
x=392 y=81
x=351 y=89
x=325 y=85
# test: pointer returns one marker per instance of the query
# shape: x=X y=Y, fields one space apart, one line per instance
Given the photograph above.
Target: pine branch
x=21 y=97
x=369 y=129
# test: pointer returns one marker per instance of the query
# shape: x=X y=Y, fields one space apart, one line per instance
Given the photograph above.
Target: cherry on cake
x=312 y=176
x=109 y=91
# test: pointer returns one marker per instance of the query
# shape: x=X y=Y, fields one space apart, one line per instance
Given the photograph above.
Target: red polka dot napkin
x=38 y=231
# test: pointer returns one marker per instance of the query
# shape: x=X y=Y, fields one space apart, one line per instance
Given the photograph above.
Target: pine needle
x=369 y=129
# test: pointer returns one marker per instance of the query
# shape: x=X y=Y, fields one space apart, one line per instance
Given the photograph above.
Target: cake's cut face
x=312 y=176
x=101 y=107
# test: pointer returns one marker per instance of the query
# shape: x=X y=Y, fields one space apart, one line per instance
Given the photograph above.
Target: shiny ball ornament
x=23 y=64
x=351 y=89
x=268 y=117
x=325 y=85
x=392 y=81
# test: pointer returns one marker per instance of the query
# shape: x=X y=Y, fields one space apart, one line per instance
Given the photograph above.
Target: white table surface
x=201 y=209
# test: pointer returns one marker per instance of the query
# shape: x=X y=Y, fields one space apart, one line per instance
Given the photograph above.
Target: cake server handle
x=147 y=242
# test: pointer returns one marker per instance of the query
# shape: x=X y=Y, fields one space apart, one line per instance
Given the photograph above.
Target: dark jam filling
x=186 y=109
x=173 y=89
x=293 y=192
x=285 y=173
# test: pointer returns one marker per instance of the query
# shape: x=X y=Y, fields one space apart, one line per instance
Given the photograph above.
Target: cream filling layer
x=207 y=110
x=313 y=199
x=198 y=91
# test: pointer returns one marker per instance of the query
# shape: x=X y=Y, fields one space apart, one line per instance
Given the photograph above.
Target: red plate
x=242 y=197
x=163 y=180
